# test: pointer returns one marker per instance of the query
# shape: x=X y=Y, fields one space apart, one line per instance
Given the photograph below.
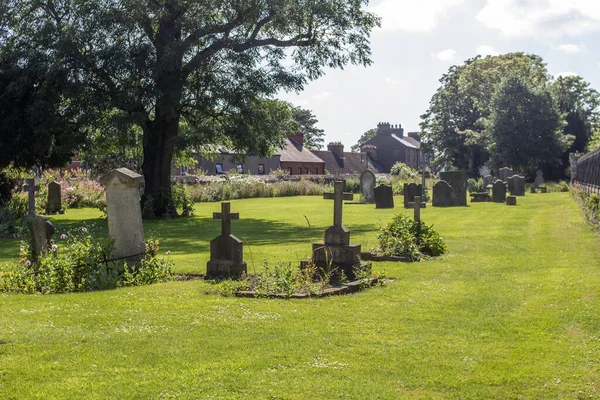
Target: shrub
x=403 y=171
x=409 y=239
x=11 y=213
x=476 y=185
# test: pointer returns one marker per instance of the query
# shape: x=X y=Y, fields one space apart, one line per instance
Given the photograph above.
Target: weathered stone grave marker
x=41 y=231
x=442 y=194
x=504 y=173
x=511 y=200
x=367 y=186
x=54 y=198
x=384 y=196
x=417 y=205
x=410 y=191
x=226 y=250
x=124 y=214
x=516 y=185
x=539 y=178
x=458 y=182
x=31 y=188
x=499 y=191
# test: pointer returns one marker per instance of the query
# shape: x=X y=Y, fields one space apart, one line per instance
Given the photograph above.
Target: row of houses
x=379 y=154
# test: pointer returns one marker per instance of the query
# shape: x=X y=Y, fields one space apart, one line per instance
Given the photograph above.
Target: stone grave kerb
x=124 y=213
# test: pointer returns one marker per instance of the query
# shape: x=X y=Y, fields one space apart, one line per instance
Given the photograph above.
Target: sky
x=420 y=39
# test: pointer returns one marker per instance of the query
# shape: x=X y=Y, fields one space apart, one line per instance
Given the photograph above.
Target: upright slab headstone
x=458 y=181
x=516 y=185
x=539 y=178
x=442 y=194
x=41 y=231
x=410 y=191
x=31 y=188
x=54 y=198
x=124 y=213
x=226 y=250
x=499 y=191
x=384 y=196
x=336 y=250
x=511 y=200
x=504 y=173
x=367 y=186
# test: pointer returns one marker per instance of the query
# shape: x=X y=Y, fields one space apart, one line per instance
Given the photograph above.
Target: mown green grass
x=510 y=312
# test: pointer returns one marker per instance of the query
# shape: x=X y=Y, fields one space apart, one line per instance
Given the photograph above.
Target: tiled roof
x=294 y=152
x=407 y=141
x=353 y=163
x=412 y=140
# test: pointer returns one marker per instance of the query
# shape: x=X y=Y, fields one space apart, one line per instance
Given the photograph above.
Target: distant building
x=298 y=160
x=389 y=146
x=338 y=162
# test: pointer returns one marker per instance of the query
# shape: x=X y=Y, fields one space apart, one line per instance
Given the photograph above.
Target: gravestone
x=226 y=250
x=384 y=196
x=41 y=231
x=539 y=178
x=504 y=173
x=511 y=200
x=499 y=191
x=516 y=185
x=367 y=186
x=124 y=214
x=31 y=188
x=336 y=250
x=442 y=194
x=54 y=198
x=458 y=182
x=417 y=205
x=410 y=191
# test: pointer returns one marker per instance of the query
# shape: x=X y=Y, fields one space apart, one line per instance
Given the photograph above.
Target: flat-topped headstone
x=504 y=173
x=384 y=196
x=499 y=191
x=41 y=231
x=226 y=250
x=516 y=185
x=124 y=214
x=539 y=178
x=442 y=194
x=367 y=186
x=31 y=188
x=511 y=200
x=410 y=191
x=458 y=182
x=54 y=198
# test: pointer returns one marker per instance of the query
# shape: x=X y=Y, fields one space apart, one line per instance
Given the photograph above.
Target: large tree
x=306 y=123
x=209 y=63
x=526 y=126
x=363 y=139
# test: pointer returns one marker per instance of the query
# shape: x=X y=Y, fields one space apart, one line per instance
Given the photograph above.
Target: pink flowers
x=168 y=252
x=63 y=236
x=84 y=229
x=28 y=263
x=54 y=248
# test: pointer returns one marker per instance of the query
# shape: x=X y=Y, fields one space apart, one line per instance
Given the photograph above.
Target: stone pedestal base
x=225 y=269
x=327 y=256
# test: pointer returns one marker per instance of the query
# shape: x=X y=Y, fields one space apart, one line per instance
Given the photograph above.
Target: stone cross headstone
x=410 y=191
x=417 y=205
x=539 y=178
x=31 y=188
x=499 y=191
x=124 y=214
x=384 y=196
x=504 y=173
x=226 y=250
x=367 y=186
x=54 y=198
x=338 y=196
x=516 y=185
x=458 y=182
x=41 y=231
x=442 y=194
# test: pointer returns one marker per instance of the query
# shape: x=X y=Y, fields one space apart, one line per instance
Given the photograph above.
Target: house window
x=240 y=168
x=261 y=169
x=219 y=168
x=299 y=170
x=290 y=170
x=316 y=171
x=306 y=171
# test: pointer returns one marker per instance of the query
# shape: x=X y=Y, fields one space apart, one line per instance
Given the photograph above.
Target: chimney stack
x=297 y=137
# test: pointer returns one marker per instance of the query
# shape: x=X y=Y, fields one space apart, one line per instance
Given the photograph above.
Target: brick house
x=298 y=160
x=390 y=145
x=338 y=162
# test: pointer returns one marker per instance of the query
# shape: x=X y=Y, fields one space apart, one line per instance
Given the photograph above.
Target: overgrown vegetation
x=589 y=203
x=409 y=239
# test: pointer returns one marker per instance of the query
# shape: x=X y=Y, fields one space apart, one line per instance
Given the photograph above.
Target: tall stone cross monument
x=31 y=188
x=226 y=250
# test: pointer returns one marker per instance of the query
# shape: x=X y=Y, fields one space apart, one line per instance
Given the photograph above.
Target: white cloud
x=566 y=73
x=446 y=55
x=541 y=18
x=322 y=95
x=391 y=81
x=412 y=16
x=485 y=50
x=571 y=48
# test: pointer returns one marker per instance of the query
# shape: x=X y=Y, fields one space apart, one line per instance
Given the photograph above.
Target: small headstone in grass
x=41 y=231
x=511 y=200
x=539 y=178
x=499 y=191
x=54 y=198
x=226 y=250
x=458 y=182
x=504 y=173
x=384 y=196
x=124 y=214
x=516 y=185
x=442 y=194
x=410 y=191
x=367 y=186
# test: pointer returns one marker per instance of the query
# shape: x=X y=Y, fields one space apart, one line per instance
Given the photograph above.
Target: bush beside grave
x=409 y=239
x=589 y=203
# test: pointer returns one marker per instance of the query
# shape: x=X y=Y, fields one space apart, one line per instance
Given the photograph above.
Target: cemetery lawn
x=511 y=311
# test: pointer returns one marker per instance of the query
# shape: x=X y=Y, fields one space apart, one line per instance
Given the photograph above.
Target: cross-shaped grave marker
x=416 y=205
x=225 y=216
x=338 y=196
x=30 y=188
